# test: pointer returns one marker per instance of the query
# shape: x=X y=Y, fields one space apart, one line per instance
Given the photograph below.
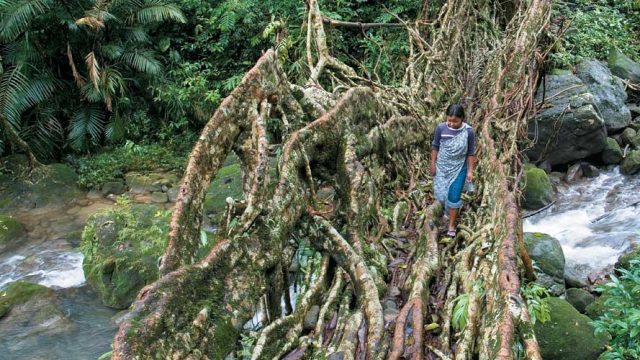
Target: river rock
x=113 y=187
x=627 y=135
x=623 y=67
x=159 y=197
x=608 y=92
x=579 y=298
x=570 y=127
x=121 y=249
x=35 y=192
x=634 y=109
x=10 y=230
x=574 y=173
x=577 y=275
x=32 y=310
x=631 y=164
x=547 y=253
x=569 y=335
x=612 y=153
x=538 y=191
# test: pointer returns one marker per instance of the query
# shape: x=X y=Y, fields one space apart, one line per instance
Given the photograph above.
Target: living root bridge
x=350 y=156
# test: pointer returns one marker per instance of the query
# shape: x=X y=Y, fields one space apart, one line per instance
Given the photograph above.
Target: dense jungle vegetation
x=83 y=77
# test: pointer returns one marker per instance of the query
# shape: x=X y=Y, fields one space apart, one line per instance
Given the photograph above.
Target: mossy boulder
x=49 y=186
x=623 y=67
x=10 y=229
x=631 y=164
x=569 y=335
x=547 y=253
x=579 y=298
x=538 y=191
x=624 y=262
x=31 y=310
x=597 y=308
x=19 y=292
x=121 y=248
x=612 y=154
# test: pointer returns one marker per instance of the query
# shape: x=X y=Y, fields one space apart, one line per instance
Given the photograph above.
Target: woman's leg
x=454 y=202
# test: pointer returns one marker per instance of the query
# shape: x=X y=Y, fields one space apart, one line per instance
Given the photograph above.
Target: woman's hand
x=432 y=169
x=469 y=176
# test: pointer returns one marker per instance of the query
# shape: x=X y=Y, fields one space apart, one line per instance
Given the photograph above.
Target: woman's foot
x=451 y=233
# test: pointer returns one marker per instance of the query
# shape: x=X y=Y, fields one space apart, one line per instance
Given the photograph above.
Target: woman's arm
x=471 y=161
x=434 y=158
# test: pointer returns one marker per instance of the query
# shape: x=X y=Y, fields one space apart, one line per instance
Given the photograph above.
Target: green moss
x=10 y=229
x=19 y=292
x=624 y=260
x=569 y=335
x=121 y=248
x=537 y=188
x=228 y=183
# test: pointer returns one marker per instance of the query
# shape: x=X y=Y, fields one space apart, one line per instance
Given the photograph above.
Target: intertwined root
x=346 y=158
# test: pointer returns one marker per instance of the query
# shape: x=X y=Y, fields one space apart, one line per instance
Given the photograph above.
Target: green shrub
x=621 y=315
x=94 y=171
x=596 y=28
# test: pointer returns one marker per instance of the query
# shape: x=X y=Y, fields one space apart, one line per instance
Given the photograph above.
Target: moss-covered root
x=366 y=289
x=418 y=284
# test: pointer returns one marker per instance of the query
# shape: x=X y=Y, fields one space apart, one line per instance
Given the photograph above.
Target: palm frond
x=112 y=84
x=93 y=69
x=92 y=22
x=158 y=11
x=18 y=92
x=138 y=34
x=87 y=125
x=111 y=51
x=78 y=79
x=17 y=16
x=116 y=128
x=142 y=60
x=44 y=132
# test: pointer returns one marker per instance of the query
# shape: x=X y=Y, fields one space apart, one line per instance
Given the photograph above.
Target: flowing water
x=49 y=255
x=593 y=219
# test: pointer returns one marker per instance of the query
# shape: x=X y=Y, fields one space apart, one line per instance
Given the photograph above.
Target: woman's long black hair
x=456 y=110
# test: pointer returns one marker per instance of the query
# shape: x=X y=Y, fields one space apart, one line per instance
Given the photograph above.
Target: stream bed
x=594 y=221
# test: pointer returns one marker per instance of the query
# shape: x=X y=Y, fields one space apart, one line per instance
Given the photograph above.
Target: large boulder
x=608 y=92
x=579 y=298
x=612 y=153
x=10 y=230
x=48 y=187
x=569 y=127
x=31 y=310
x=631 y=164
x=538 y=191
x=569 y=335
x=623 y=67
x=121 y=249
x=547 y=253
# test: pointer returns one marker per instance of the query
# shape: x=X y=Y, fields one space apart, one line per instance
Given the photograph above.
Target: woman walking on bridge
x=452 y=161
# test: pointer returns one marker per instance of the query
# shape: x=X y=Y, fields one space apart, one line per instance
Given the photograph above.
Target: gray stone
x=589 y=170
x=579 y=298
x=631 y=164
x=571 y=128
x=113 y=187
x=635 y=141
x=10 y=231
x=311 y=318
x=547 y=253
x=140 y=184
x=608 y=91
x=577 y=275
x=623 y=67
x=574 y=173
x=617 y=138
x=612 y=154
x=172 y=194
x=634 y=109
x=94 y=194
x=627 y=136
x=159 y=197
